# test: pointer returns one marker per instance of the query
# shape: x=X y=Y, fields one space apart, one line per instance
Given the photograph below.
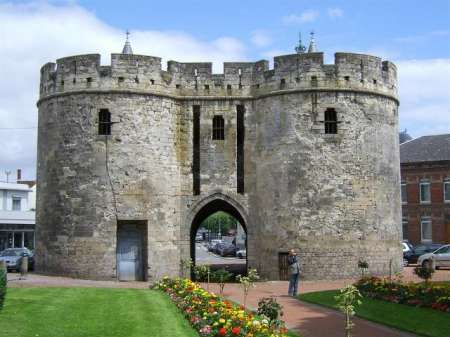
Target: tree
x=248 y=282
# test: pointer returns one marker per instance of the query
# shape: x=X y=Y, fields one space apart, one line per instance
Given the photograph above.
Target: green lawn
x=421 y=321
x=90 y=312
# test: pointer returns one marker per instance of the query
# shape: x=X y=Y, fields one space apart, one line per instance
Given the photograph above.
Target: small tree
x=270 y=308
x=248 y=282
x=186 y=266
x=425 y=273
x=363 y=266
x=3 y=283
x=348 y=299
x=221 y=276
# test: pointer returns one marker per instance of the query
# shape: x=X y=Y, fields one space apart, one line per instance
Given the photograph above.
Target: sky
x=414 y=34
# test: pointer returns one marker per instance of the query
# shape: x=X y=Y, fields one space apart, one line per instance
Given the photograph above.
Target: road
x=202 y=256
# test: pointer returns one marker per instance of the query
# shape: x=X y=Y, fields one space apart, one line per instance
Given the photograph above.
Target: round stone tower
x=132 y=158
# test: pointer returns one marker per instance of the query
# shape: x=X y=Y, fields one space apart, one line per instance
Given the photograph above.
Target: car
x=437 y=259
x=212 y=245
x=13 y=258
x=407 y=247
x=199 y=237
x=242 y=254
x=226 y=249
x=419 y=250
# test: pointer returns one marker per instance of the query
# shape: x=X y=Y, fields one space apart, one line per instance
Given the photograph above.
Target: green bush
x=3 y=282
x=270 y=308
x=424 y=273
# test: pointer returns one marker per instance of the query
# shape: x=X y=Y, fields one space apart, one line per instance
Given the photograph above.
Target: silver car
x=437 y=259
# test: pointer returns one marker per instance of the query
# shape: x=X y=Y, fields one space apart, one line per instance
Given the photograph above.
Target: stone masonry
x=333 y=197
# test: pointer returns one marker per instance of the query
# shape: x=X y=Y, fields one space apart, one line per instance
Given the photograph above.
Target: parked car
x=419 y=250
x=407 y=247
x=13 y=258
x=226 y=249
x=242 y=254
x=437 y=259
x=198 y=237
x=212 y=245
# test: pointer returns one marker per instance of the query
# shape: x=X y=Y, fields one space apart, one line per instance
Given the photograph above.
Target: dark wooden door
x=283 y=266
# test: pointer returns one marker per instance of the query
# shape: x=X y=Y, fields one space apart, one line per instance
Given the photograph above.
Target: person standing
x=294 y=273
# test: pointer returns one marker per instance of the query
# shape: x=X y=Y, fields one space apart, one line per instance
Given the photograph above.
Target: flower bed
x=213 y=316
x=430 y=295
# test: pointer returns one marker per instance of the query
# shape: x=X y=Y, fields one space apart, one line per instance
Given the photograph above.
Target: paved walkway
x=307 y=319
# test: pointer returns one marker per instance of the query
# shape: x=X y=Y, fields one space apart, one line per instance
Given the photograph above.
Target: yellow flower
x=221 y=320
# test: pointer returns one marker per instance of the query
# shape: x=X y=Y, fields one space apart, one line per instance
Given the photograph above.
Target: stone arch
x=208 y=206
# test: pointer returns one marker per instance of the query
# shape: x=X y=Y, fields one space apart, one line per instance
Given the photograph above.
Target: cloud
x=305 y=17
x=261 y=38
x=36 y=33
x=335 y=12
x=424 y=96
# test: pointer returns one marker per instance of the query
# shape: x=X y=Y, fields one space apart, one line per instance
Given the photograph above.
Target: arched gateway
x=210 y=205
x=131 y=158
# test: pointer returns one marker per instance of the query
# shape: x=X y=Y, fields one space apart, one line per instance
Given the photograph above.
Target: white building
x=17 y=215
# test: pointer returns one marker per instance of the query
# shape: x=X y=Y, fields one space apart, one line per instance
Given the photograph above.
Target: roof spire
x=300 y=48
x=127 y=47
x=312 y=44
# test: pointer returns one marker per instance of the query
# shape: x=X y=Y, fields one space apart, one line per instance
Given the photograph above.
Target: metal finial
x=127 y=47
x=312 y=44
x=300 y=49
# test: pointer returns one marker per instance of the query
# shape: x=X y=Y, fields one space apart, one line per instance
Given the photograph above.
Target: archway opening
x=219 y=238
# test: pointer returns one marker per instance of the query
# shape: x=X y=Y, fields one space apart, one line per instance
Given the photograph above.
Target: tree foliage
x=220 y=219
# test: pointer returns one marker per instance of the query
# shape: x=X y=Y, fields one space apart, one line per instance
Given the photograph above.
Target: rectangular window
x=447 y=191
x=403 y=193
x=331 y=121
x=16 y=204
x=18 y=240
x=196 y=150
x=218 y=128
x=240 y=136
x=104 y=122
x=405 y=227
x=426 y=229
x=425 y=192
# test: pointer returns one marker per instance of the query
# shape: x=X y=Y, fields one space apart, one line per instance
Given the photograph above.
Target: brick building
x=425 y=189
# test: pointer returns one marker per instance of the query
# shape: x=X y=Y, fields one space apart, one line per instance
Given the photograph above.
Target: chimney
x=19 y=174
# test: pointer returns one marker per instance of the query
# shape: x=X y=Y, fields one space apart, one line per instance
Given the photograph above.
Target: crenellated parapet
x=144 y=74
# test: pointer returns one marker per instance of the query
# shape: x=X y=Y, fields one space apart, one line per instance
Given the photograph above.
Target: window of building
x=104 y=122
x=331 y=121
x=218 y=128
x=447 y=190
x=426 y=229
x=403 y=193
x=425 y=192
x=405 y=227
x=16 y=203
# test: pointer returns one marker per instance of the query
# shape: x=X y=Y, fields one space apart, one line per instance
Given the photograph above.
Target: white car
x=242 y=254
x=437 y=259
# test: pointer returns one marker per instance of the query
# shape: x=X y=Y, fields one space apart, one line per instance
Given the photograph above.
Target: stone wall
x=334 y=197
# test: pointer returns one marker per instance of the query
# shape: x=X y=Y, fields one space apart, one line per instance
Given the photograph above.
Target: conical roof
x=127 y=47
x=312 y=44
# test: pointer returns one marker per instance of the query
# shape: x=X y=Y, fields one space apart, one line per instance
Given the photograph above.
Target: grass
x=91 y=312
x=421 y=321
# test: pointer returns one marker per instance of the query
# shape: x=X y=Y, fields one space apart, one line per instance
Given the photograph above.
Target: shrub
x=270 y=308
x=3 y=283
x=424 y=273
x=248 y=282
x=221 y=276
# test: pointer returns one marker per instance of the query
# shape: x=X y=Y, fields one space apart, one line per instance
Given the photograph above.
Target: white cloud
x=305 y=17
x=335 y=12
x=261 y=38
x=424 y=87
x=36 y=33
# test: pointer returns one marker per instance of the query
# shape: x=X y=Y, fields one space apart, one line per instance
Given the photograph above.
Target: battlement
x=242 y=79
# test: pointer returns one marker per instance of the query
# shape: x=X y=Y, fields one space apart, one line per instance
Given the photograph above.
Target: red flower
x=222 y=332
x=236 y=330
